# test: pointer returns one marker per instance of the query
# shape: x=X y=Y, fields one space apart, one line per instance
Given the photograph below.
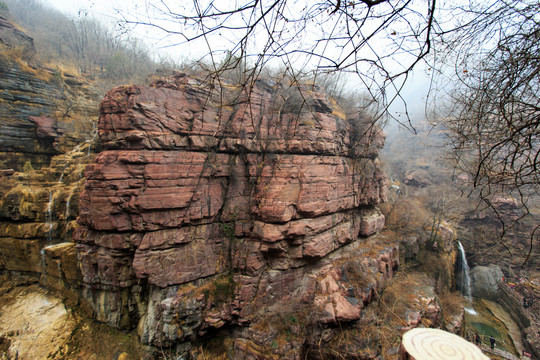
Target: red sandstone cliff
x=219 y=208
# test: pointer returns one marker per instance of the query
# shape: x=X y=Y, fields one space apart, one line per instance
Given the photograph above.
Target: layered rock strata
x=219 y=206
x=46 y=122
x=40 y=108
x=38 y=209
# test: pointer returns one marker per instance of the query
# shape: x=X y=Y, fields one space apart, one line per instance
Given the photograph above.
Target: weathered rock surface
x=487 y=225
x=35 y=324
x=527 y=318
x=224 y=209
x=12 y=37
x=39 y=108
x=415 y=301
x=45 y=139
x=38 y=210
x=485 y=282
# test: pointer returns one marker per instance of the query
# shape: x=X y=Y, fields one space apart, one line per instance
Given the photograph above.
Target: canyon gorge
x=196 y=218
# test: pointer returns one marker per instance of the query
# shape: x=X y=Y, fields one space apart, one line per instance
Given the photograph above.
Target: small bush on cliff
x=356 y=274
x=28 y=167
x=451 y=304
x=221 y=290
x=406 y=216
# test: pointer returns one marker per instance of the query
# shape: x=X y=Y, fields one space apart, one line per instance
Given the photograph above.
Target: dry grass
x=64 y=68
x=400 y=296
x=16 y=55
x=337 y=110
x=451 y=304
x=218 y=348
x=365 y=341
x=357 y=274
x=407 y=215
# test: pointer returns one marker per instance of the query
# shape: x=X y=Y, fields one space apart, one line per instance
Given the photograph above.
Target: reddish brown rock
x=221 y=204
x=45 y=126
x=205 y=254
x=372 y=221
x=175 y=115
x=105 y=266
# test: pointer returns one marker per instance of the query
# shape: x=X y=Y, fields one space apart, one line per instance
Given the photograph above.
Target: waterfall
x=49 y=216
x=68 y=200
x=465 y=276
x=43 y=266
x=91 y=140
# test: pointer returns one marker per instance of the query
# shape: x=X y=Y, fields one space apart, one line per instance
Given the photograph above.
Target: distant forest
x=83 y=42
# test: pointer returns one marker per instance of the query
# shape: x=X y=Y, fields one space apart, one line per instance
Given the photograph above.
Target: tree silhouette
x=493 y=114
x=378 y=41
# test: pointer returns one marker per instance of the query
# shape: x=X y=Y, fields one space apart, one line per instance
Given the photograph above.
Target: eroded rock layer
x=218 y=206
x=43 y=111
x=47 y=117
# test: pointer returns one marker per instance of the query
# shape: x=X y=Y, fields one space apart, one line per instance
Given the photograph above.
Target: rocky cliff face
x=46 y=122
x=225 y=209
x=40 y=108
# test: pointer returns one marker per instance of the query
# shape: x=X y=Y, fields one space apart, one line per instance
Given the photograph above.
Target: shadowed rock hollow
x=220 y=208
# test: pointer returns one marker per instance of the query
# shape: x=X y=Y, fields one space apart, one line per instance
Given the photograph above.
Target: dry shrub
x=440 y=267
x=356 y=274
x=363 y=342
x=405 y=216
x=17 y=55
x=366 y=341
x=409 y=293
x=289 y=319
x=217 y=348
x=451 y=304
x=398 y=297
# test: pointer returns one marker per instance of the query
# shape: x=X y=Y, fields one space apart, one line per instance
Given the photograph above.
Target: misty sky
x=72 y=7
x=106 y=10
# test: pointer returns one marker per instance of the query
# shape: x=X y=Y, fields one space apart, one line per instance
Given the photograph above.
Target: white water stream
x=49 y=217
x=465 y=273
x=465 y=278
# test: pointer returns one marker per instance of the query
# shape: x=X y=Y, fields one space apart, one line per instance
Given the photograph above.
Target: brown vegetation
x=83 y=45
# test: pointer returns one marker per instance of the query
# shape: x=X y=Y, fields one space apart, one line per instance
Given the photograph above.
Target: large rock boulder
x=485 y=282
x=212 y=206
